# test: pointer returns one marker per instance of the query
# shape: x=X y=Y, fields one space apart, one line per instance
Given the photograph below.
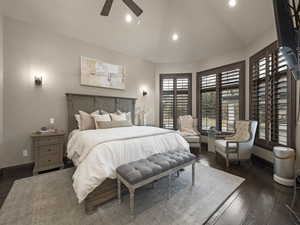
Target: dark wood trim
x=221 y=68
x=21 y=166
x=218 y=70
x=272 y=49
x=292 y=118
x=175 y=76
x=242 y=91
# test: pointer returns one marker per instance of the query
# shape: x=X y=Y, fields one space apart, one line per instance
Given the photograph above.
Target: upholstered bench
x=145 y=171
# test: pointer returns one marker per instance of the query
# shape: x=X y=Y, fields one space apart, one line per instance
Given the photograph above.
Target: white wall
x=30 y=50
x=1 y=86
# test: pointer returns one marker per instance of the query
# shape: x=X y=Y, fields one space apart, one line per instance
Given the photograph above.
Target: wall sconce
x=38 y=80
x=145 y=93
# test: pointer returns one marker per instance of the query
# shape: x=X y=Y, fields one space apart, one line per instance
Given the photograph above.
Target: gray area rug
x=49 y=199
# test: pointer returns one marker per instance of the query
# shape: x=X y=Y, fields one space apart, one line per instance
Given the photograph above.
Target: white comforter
x=97 y=153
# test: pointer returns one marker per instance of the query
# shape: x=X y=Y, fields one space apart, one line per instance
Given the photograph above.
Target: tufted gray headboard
x=91 y=103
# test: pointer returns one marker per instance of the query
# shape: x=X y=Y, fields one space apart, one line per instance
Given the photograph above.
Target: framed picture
x=97 y=73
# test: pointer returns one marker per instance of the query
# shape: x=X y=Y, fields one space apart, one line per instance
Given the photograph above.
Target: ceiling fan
x=130 y=4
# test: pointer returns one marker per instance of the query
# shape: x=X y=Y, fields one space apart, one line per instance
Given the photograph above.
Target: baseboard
x=26 y=165
x=262 y=161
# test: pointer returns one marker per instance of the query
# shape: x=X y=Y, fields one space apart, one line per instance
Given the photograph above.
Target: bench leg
x=193 y=174
x=119 y=191
x=169 y=185
x=132 y=201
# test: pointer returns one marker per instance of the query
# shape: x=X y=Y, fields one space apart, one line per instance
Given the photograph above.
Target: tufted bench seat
x=145 y=171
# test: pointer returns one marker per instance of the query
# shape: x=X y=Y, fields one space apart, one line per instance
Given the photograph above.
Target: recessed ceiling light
x=175 y=37
x=232 y=3
x=128 y=18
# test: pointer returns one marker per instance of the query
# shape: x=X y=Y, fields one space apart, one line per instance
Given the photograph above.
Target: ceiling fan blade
x=134 y=7
x=107 y=7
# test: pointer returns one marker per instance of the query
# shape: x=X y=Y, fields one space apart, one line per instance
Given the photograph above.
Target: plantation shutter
x=221 y=97
x=175 y=98
x=230 y=99
x=271 y=98
x=208 y=101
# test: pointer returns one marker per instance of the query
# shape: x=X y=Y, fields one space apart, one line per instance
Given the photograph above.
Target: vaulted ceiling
x=206 y=28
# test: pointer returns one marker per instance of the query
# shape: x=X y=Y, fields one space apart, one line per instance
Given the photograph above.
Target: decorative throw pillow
x=87 y=121
x=113 y=124
x=186 y=122
x=101 y=118
x=127 y=115
x=103 y=112
x=118 y=117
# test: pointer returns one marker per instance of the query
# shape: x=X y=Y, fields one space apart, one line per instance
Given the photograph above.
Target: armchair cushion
x=186 y=123
x=192 y=139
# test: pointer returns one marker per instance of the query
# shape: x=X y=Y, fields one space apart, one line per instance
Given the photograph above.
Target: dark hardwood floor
x=257 y=201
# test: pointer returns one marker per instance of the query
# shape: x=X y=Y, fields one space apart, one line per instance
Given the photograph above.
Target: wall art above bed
x=97 y=73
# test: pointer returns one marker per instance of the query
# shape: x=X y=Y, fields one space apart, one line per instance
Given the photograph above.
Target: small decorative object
x=38 y=80
x=141 y=116
x=97 y=73
x=44 y=130
x=51 y=127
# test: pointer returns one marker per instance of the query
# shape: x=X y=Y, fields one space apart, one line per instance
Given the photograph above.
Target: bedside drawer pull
x=49 y=150
x=49 y=160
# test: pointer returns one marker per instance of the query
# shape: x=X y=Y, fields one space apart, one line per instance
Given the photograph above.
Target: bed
x=97 y=153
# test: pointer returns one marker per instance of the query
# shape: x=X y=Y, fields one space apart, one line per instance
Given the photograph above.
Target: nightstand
x=48 y=151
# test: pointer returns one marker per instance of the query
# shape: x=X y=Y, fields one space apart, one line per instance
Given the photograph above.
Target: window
x=175 y=98
x=272 y=98
x=220 y=97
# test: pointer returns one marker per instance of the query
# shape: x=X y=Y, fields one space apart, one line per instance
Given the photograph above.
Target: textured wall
x=30 y=50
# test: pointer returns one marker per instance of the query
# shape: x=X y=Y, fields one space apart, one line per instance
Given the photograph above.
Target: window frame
x=218 y=71
x=291 y=100
x=175 y=76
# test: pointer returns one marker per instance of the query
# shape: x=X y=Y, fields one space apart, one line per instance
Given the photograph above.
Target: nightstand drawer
x=49 y=160
x=47 y=150
x=49 y=140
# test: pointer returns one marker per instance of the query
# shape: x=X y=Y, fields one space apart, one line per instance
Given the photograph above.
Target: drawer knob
x=49 y=150
x=49 y=160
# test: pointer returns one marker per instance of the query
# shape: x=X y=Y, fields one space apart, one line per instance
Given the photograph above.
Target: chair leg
x=132 y=201
x=169 y=185
x=119 y=191
x=227 y=160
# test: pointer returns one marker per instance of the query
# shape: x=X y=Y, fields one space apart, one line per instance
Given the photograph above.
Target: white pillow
x=128 y=115
x=101 y=118
x=118 y=117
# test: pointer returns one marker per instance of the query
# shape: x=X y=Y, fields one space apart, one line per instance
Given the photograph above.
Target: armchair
x=239 y=146
x=187 y=126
